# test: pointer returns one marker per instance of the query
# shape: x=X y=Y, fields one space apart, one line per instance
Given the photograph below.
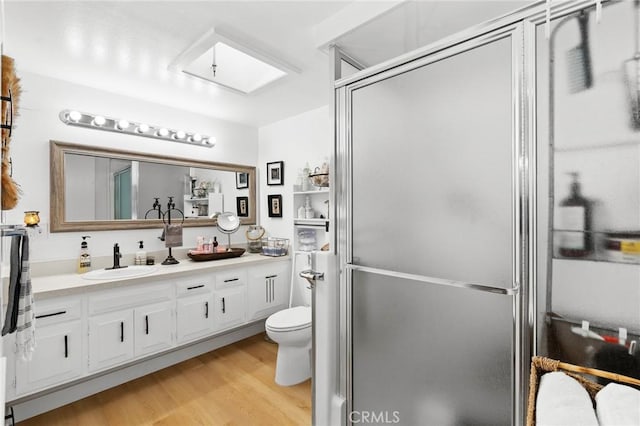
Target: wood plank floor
x=233 y=385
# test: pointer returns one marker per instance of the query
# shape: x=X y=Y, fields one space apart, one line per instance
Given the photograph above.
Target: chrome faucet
x=116 y=257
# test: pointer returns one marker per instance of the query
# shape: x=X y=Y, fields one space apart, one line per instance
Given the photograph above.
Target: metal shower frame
x=520 y=26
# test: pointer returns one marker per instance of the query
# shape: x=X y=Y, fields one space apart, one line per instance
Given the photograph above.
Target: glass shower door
x=433 y=239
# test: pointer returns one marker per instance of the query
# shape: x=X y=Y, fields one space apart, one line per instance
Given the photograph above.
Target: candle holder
x=31 y=218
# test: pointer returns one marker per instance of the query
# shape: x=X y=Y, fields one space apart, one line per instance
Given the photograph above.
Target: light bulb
x=99 y=120
x=162 y=132
x=123 y=124
x=142 y=128
x=211 y=141
x=75 y=116
x=180 y=134
x=196 y=137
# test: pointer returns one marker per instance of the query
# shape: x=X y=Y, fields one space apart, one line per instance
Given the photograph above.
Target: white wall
x=301 y=139
x=42 y=100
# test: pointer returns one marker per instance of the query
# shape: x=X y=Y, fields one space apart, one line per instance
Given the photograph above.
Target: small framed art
x=275 y=173
x=275 y=205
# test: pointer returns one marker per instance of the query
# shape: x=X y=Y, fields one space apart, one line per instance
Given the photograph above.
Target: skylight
x=219 y=59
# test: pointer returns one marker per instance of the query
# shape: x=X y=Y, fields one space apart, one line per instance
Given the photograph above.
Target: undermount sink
x=128 y=272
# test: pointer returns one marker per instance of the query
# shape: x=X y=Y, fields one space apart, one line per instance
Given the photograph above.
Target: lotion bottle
x=575 y=223
x=84 y=261
x=141 y=254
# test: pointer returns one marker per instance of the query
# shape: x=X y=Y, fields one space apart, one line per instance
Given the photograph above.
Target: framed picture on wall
x=242 y=206
x=242 y=180
x=275 y=173
x=275 y=205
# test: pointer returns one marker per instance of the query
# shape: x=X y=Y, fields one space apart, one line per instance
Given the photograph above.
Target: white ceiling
x=125 y=47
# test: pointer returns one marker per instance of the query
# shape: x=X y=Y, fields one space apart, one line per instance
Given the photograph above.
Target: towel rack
x=12 y=230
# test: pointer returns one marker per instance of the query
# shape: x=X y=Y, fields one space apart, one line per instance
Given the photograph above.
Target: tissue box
x=275 y=246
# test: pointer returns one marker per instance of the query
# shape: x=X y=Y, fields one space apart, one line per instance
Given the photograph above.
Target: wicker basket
x=542 y=365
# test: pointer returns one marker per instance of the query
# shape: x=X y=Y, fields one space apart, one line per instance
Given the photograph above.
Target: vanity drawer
x=53 y=311
x=128 y=297
x=195 y=285
x=233 y=278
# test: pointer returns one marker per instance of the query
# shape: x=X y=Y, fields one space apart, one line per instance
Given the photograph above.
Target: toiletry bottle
x=308 y=211
x=141 y=255
x=301 y=212
x=575 y=223
x=215 y=244
x=84 y=262
x=306 y=183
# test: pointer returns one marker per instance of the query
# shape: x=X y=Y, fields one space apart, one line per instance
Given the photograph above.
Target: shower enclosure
x=434 y=245
x=443 y=218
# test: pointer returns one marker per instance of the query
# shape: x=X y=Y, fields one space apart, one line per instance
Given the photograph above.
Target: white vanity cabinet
x=58 y=354
x=118 y=321
x=106 y=328
x=194 y=308
x=229 y=300
x=268 y=290
x=154 y=328
x=110 y=339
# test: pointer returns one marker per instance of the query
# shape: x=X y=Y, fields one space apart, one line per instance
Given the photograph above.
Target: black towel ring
x=168 y=220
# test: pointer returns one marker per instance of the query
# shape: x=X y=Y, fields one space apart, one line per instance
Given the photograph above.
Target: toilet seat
x=290 y=319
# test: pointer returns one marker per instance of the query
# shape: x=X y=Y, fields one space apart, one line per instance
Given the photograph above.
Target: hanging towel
x=26 y=321
x=11 y=316
x=173 y=235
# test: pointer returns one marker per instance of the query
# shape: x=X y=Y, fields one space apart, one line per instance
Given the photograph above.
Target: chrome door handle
x=312 y=276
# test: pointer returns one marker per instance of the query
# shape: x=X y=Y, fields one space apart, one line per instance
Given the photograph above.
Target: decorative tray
x=201 y=257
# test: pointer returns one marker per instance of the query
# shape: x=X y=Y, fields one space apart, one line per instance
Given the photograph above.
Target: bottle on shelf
x=306 y=183
x=308 y=210
x=576 y=239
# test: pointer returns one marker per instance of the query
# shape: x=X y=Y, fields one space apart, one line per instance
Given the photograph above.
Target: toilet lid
x=292 y=318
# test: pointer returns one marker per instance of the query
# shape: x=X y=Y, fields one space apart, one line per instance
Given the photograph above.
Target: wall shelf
x=315 y=191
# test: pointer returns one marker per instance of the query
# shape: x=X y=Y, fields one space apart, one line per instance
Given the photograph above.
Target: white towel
x=618 y=405
x=562 y=401
x=26 y=323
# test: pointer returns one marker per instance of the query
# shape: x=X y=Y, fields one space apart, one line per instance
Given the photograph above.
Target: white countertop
x=64 y=284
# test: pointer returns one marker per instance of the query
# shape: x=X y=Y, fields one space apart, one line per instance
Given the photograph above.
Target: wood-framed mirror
x=98 y=189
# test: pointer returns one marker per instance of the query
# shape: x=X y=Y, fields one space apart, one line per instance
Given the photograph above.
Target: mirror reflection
x=102 y=187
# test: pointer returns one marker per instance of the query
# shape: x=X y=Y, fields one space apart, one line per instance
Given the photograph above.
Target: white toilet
x=291 y=330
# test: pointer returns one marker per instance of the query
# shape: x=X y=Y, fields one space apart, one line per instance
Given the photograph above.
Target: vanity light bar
x=99 y=122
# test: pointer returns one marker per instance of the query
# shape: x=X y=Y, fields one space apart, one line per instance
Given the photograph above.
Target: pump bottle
x=575 y=223
x=141 y=254
x=84 y=261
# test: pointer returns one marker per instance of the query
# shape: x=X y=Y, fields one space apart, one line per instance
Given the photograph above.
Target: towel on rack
x=618 y=405
x=173 y=235
x=25 y=327
x=11 y=315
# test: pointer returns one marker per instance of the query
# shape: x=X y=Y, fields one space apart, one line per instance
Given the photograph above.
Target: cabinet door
x=110 y=339
x=153 y=328
x=56 y=359
x=268 y=290
x=229 y=308
x=194 y=316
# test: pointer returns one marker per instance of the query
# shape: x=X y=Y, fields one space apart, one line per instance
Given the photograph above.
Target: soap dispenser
x=141 y=255
x=84 y=261
x=575 y=223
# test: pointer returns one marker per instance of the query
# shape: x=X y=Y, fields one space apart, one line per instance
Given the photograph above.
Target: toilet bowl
x=291 y=330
